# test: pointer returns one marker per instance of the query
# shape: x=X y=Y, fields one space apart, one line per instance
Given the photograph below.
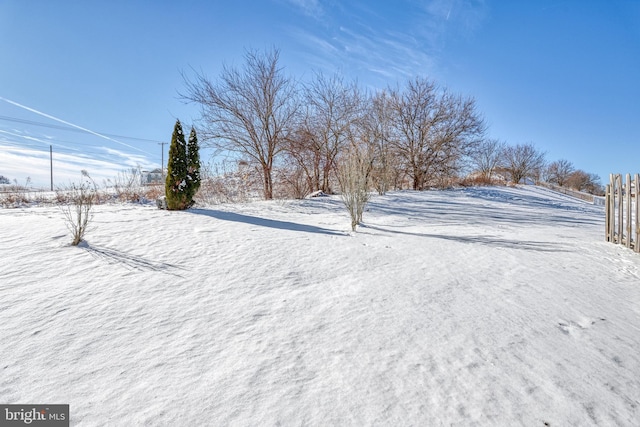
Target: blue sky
x=99 y=81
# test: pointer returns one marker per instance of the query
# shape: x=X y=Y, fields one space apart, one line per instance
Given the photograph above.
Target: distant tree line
x=495 y=159
x=302 y=135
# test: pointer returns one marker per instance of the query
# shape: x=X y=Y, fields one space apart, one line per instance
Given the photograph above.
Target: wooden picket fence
x=622 y=206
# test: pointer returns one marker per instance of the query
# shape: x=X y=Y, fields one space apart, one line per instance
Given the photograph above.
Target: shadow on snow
x=263 y=222
x=129 y=261
x=483 y=240
x=482 y=206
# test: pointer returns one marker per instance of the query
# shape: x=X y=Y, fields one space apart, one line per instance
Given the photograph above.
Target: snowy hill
x=480 y=306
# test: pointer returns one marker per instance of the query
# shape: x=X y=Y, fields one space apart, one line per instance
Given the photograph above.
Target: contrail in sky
x=70 y=124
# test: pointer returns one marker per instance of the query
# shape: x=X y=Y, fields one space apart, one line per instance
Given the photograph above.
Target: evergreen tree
x=176 y=186
x=193 y=165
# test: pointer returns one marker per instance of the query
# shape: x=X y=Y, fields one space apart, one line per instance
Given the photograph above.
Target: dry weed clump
x=153 y=192
x=127 y=186
x=480 y=181
x=13 y=199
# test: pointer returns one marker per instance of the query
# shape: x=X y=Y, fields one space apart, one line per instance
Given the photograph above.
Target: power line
x=38 y=146
x=59 y=120
x=78 y=155
x=47 y=141
x=71 y=129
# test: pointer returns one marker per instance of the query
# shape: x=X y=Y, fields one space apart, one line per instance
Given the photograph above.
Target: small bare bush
x=353 y=176
x=479 y=180
x=80 y=199
x=227 y=182
x=291 y=182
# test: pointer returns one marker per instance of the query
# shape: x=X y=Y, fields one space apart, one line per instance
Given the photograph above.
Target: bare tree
x=522 y=161
x=557 y=172
x=376 y=126
x=332 y=106
x=249 y=111
x=414 y=113
x=486 y=157
x=583 y=181
x=432 y=130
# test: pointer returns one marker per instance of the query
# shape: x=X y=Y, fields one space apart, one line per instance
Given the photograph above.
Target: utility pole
x=162 y=144
x=51 y=163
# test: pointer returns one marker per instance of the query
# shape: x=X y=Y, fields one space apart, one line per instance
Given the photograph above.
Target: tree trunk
x=268 y=182
x=418 y=182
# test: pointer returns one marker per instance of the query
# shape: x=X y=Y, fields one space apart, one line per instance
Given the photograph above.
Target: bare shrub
x=228 y=182
x=80 y=199
x=127 y=185
x=214 y=191
x=480 y=180
x=353 y=176
x=292 y=182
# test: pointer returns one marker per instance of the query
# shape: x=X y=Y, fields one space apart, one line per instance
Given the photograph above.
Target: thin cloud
x=127 y=159
x=21 y=135
x=311 y=8
x=360 y=37
x=400 y=54
x=382 y=71
x=445 y=16
x=316 y=43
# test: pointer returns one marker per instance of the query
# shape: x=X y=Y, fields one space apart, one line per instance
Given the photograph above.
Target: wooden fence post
x=623 y=227
x=612 y=210
x=637 y=228
x=607 y=213
x=627 y=209
x=620 y=229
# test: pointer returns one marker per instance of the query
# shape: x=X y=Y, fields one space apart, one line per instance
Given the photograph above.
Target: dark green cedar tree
x=176 y=186
x=193 y=165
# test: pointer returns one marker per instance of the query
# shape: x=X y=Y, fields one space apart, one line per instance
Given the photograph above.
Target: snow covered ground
x=480 y=306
